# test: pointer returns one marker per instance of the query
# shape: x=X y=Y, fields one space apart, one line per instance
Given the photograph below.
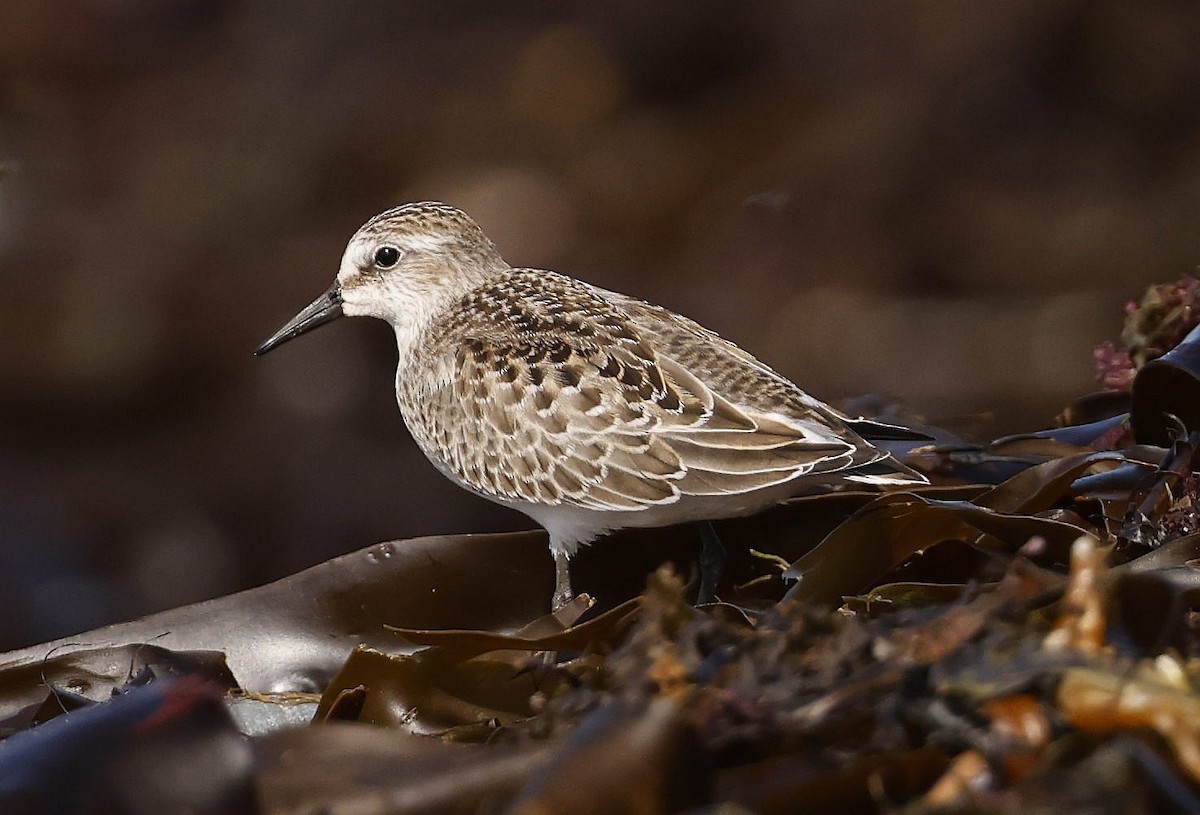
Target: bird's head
x=404 y=266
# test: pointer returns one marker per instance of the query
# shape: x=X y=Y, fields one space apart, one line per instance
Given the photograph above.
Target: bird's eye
x=386 y=257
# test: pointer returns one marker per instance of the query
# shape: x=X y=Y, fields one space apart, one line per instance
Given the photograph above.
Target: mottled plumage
x=586 y=409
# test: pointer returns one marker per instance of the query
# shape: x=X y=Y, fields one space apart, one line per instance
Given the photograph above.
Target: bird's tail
x=887 y=472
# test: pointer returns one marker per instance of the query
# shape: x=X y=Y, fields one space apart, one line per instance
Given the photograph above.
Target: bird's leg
x=562 y=581
x=712 y=563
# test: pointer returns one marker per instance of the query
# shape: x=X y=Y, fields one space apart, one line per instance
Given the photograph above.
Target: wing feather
x=600 y=401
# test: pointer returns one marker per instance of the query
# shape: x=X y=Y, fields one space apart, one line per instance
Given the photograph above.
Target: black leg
x=712 y=563
x=562 y=582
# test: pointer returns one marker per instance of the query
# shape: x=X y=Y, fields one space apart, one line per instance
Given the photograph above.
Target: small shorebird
x=585 y=409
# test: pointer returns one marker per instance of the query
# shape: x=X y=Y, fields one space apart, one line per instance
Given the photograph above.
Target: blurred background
x=946 y=204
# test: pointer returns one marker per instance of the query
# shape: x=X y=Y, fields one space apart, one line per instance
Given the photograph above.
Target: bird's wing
x=559 y=396
x=761 y=392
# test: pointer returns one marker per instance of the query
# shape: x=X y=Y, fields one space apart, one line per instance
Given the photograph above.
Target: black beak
x=320 y=311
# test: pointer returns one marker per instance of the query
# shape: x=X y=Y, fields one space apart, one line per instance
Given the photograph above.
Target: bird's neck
x=418 y=322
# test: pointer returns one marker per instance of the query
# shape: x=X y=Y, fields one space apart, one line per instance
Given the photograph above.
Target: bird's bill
x=320 y=311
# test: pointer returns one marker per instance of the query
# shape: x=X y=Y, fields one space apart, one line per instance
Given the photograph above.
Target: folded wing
x=565 y=393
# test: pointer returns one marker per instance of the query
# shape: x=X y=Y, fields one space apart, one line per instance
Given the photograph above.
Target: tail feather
x=880 y=431
x=887 y=472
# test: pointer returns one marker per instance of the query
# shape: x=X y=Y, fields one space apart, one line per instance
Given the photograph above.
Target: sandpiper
x=585 y=409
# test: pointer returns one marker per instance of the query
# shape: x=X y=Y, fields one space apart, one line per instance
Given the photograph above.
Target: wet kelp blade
x=462 y=677
x=880 y=537
x=872 y=542
x=426 y=692
x=37 y=691
x=295 y=633
x=461 y=645
x=1166 y=394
